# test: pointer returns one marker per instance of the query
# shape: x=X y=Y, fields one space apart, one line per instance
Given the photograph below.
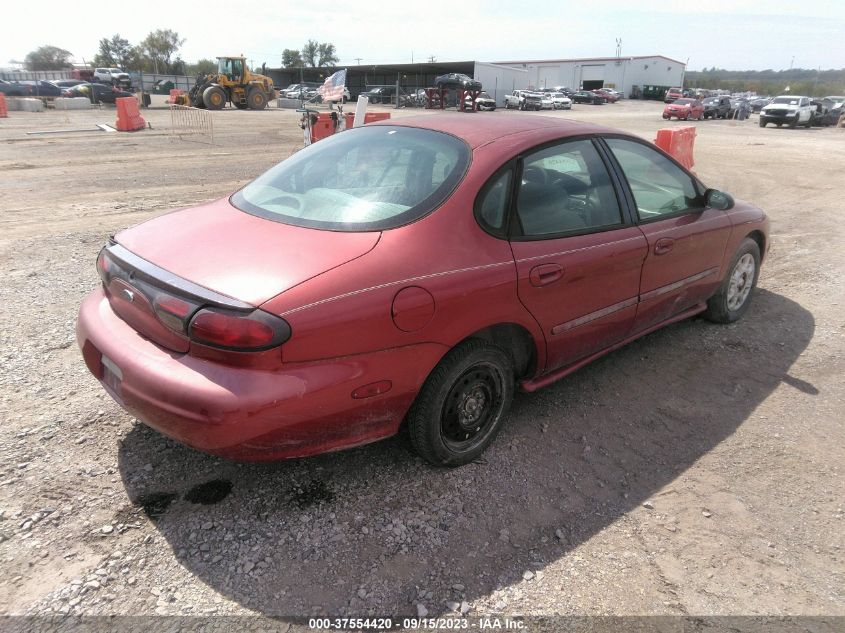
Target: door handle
x=545 y=274
x=664 y=245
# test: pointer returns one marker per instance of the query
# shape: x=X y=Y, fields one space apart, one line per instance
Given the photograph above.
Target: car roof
x=479 y=130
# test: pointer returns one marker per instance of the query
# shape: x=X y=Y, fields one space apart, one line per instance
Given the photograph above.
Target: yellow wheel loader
x=232 y=82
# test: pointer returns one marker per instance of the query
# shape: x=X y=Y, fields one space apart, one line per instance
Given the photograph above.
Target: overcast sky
x=732 y=34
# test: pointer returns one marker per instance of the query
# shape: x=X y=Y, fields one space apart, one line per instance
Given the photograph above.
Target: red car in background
x=684 y=109
x=414 y=271
x=609 y=96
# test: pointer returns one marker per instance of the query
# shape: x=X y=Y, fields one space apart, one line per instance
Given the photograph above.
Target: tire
x=472 y=384
x=778 y=124
x=214 y=98
x=734 y=294
x=762 y=123
x=808 y=124
x=256 y=99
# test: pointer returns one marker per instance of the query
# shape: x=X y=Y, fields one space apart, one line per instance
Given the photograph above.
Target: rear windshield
x=365 y=179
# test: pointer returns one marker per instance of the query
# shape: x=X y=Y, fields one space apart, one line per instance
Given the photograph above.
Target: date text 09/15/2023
x=418 y=624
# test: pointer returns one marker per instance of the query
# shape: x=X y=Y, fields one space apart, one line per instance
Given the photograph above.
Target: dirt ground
x=698 y=471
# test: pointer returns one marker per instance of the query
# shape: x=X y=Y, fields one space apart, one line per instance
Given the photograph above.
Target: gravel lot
x=698 y=471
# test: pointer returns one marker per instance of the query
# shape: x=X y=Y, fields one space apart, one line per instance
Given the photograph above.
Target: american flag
x=332 y=88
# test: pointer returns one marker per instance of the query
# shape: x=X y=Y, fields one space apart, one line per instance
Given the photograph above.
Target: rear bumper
x=294 y=410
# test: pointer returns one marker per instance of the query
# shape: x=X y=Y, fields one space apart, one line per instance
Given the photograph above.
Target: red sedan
x=412 y=271
x=684 y=109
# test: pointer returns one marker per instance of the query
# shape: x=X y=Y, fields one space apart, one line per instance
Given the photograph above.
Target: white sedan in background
x=560 y=101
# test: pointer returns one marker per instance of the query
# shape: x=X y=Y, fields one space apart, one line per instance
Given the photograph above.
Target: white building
x=619 y=73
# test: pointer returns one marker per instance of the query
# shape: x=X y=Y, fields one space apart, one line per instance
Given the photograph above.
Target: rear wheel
x=256 y=99
x=463 y=404
x=214 y=98
x=734 y=294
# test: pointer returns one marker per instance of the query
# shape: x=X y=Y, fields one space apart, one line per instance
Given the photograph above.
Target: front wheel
x=214 y=98
x=463 y=404
x=256 y=99
x=763 y=123
x=734 y=294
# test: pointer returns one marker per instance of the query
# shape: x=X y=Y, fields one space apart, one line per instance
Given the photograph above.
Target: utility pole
x=358 y=60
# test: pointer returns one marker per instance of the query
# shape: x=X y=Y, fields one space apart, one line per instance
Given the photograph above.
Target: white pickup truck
x=523 y=100
x=790 y=109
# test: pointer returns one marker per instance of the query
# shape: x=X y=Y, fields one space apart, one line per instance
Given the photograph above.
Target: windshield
x=786 y=100
x=365 y=179
x=683 y=102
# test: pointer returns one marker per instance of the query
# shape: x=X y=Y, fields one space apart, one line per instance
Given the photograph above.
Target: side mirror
x=716 y=199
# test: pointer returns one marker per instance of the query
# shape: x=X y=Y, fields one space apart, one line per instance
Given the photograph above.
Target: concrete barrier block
x=287 y=103
x=26 y=104
x=72 y=103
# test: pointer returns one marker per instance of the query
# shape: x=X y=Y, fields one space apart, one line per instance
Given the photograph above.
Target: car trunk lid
x=162 y=271
x=242 y=256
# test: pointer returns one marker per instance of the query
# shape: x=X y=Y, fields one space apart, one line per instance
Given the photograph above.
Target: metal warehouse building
x=626 y=74
x=637 y=75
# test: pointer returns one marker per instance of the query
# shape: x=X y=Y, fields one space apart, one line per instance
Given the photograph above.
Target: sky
x=731 y=34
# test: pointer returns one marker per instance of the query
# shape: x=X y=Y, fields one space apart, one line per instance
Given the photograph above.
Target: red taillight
x=104 y=266
x=252 y=331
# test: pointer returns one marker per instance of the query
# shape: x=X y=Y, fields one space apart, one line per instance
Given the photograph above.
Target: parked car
x=838 y=100
x=585 y=96
x=344 y=291
x=523 y=100
x=483 y=102
x=608 y=96
x=15 y=89
x=825 y=112
x=684 y=109
x=759 y=104
x=672 y=94
x=102 y=92
x=380 y=94
x=113 y=76
x=457 y=80
x=789 y=109
x=561 y=101
x=42 y=88
x=67 y=83
x=610 y=91
x=717 y=107
x=546 y=102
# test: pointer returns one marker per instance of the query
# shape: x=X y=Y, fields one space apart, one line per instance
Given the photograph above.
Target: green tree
x=202 y=67
x=310 y=53
x=327 y=54
x=48 y=58
x=291 y=58
x=159 y=47
x=116 y=51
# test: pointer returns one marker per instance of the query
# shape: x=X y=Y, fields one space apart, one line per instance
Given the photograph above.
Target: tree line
x=801 y=81
x=159 y=53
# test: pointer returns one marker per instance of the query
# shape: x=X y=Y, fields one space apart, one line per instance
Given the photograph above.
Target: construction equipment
x=233 y=82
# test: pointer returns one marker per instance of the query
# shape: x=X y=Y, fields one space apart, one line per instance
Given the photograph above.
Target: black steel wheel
x=463 y=404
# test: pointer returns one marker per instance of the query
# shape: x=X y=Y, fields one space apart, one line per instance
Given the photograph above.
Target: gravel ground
x=698 y=471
